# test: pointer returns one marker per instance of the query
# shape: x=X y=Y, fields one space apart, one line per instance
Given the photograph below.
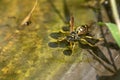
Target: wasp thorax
x=83 y=29
x=73 y=37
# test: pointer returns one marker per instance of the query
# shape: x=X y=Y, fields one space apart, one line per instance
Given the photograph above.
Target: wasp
x=77 y=34
x=81 y=35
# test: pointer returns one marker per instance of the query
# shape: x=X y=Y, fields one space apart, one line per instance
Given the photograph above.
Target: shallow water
x=26 y=54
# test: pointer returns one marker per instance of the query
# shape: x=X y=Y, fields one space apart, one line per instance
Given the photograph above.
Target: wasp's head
x=83 y=29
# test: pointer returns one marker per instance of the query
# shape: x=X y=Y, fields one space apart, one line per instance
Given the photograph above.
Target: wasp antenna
x=71 y=23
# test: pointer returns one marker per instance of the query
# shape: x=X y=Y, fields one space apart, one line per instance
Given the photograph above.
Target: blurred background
x=29 y=41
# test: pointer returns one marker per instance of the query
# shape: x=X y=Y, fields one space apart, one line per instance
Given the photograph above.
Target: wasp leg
x=70 y=48
x=100 y=39
x=72 y=45
x=61 y=39
x=86 y=42
x=62 y=42
x=90 y=37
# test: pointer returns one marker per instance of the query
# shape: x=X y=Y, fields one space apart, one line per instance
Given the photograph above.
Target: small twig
x=26 y=19
x=115 y=13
